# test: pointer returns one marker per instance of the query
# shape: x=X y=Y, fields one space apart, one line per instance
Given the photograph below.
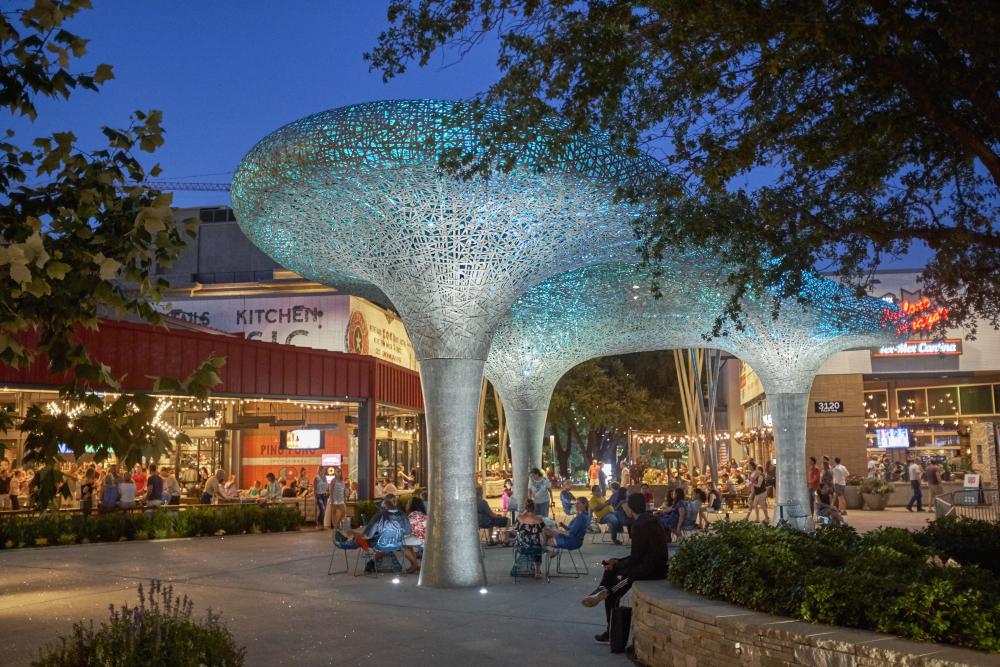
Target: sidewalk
x=277 y=599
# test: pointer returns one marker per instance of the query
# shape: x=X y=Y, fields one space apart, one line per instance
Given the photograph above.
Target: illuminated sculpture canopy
x=608 y=309
x=355 y=196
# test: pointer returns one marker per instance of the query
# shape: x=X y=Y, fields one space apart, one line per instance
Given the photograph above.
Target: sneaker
x=595 y=598
x=616 y=541
x=909 y=509
x=602 y=638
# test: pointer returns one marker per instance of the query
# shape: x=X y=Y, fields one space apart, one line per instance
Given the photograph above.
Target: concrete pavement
x=277 y=599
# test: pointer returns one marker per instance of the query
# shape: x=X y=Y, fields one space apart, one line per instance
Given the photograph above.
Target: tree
x=80 y=244
x=794 y=134
x=596 y=403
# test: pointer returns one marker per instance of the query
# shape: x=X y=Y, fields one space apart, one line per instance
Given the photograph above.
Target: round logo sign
x=357 y=333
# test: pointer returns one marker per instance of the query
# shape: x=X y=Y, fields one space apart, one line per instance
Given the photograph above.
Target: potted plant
x=852 y=492
x=876 y=493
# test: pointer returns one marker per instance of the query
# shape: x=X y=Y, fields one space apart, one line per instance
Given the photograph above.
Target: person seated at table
x=231 y=490
x=288 y=489
x=566 y=498
x=827 y=510
x=647 y=494
x=569 y=537
x=418 y=502
x=385 y=532
x=673 y=517
x=486 y=517
x=255 y=490
x=417 y=517
x=528 y=538
x=272 y=491
x=619 y=496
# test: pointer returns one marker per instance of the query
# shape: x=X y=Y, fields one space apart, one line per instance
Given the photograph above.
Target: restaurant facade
x=926 y=398
x=312 y=377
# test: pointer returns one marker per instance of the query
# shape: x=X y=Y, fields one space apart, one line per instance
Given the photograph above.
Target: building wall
x=838 y=434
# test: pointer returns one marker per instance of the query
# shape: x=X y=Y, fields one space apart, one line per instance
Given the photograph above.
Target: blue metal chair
x=341 y=544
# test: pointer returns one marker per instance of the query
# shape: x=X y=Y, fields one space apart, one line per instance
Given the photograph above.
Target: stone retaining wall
x=677 y=629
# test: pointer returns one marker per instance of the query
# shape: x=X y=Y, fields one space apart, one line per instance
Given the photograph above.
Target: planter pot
x=852 y=494
x=876 y=502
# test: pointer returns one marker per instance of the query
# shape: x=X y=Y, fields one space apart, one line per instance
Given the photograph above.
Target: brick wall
x=677 y=629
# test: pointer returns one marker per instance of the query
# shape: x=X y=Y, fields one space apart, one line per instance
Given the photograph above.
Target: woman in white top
x=126 y=491
x=538 y=491
x=336 y=507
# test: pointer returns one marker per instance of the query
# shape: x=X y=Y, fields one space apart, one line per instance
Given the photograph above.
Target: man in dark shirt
x=619 y=498
x=154 y=487
x=487 y=519
x=648 y=560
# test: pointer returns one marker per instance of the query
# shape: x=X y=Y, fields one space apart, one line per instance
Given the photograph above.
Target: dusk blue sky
x=227 y=73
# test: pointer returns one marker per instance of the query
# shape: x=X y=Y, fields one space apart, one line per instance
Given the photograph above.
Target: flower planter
x=876 y=501
x=852 y=494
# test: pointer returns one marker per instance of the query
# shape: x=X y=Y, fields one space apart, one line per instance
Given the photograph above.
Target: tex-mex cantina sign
x=920 y=348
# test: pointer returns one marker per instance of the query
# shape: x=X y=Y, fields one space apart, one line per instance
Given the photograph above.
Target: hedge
x=59 y=528
x=889 y=580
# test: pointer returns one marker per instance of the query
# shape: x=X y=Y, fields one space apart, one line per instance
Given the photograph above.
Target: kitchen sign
x=920 y=348
x=828 y=407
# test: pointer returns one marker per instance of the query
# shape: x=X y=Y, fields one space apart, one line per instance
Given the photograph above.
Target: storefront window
x=911 y=403
x=942 y=401
x=976 y=399
x=877 y=405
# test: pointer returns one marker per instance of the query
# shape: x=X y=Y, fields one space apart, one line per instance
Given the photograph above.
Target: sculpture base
x=789 y=412
x=451 y=403
x=527 y=429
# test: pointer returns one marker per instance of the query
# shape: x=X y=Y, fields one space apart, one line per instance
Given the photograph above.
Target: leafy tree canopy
x=78 y=242
x=830 y=134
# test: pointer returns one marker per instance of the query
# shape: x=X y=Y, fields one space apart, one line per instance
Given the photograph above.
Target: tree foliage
x=79 y=241
x=831 y=134
x=595 y=404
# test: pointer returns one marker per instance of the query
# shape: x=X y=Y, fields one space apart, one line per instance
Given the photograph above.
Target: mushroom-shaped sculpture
x=608 y=309
x=359 y=191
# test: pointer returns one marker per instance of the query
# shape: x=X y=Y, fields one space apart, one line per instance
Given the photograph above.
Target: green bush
x=888 y=580
x=160 y=631
x=968 y=541
x=877 y=487
x=56 y=528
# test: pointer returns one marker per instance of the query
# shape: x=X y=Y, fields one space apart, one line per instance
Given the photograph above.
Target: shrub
x=160 y=631
x=968 y=541
x=877 y=487
x=47 y=529
x=888 y=580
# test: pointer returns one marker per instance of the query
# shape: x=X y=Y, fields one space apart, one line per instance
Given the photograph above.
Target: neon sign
x=923 y=317
x=921 y=348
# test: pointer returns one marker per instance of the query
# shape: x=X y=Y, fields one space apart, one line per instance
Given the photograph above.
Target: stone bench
x=680 y=629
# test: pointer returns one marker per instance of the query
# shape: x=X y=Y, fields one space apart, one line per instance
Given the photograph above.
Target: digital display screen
x=891 y=438
x=302 y=439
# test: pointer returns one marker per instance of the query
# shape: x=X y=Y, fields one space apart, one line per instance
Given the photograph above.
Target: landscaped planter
x=674 y=627
x=875 y=501
x=852 y=494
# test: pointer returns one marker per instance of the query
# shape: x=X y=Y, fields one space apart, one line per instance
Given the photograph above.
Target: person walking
x=321 y=491
x=914 y=473
x=840 y=485
x=593 y=473
x=933 y=475
x=812 y=481
x=758 y=493
x=336 y=508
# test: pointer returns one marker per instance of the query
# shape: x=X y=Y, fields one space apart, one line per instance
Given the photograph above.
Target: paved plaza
x=278 y=600
x=276 y=597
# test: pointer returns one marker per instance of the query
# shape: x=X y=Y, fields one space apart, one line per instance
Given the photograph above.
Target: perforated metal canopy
x=354 y=197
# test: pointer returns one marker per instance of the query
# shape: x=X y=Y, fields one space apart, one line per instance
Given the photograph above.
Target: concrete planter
x=876 y=502
x=673 y=627
x=852 y=494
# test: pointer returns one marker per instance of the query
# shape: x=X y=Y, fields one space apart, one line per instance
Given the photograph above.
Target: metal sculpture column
x=358 y=191
x=605 y=310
